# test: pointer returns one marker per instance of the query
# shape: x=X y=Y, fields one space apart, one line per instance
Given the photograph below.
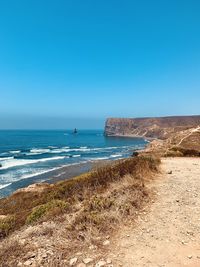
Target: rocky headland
x=170 y=136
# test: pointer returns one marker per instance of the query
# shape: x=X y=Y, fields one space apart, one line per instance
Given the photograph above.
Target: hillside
x=161 y=128
x=71 y=223
x=182 y=143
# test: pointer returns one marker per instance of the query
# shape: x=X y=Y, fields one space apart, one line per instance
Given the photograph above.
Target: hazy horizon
x=77 y=63
x=34 y=123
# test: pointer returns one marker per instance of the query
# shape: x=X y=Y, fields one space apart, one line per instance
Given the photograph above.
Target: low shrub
x=6 y=225
x=99 y=203
x=182 y=152
x=172 y=153
x=52 y=208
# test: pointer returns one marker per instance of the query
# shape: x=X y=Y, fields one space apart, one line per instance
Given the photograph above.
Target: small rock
x=100 y=264
x=190 y=233
x=29 y=255
x=109 y=261
x=79 y=253
x=106 y=243
x=73 y=261
x=28 y=262
x=107 y=237
x=92 y=247
x=81 y=236
x=44 y=255
x=169 y=172
x=128 y=235
x=50 y=252
x=189 y=257
x=87 y=260
x=22 y=241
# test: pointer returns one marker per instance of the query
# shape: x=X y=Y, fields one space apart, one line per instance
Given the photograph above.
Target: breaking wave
x=4 y=185
x=10 y=163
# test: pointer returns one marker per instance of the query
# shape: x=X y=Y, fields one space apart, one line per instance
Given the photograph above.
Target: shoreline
x=52 y=177
x=59 y=174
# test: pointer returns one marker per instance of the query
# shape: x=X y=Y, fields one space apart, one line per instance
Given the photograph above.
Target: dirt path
x=168 y=234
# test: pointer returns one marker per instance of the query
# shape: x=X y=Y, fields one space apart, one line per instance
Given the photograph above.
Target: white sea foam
x=40 y=150
x=66 y=149
x=15 y=151
x=116 y=155
x=4 y=185
x=6 y=158
x=60 y=150
x=76 y=156
x=33 y=153
x=80 y=149
x=3 y=153
x=109 y=157
x=10 y=163
x=38 y=173
x=100 y=158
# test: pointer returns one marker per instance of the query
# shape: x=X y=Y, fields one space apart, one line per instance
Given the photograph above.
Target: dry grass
x=10 y=251
x=182 y=152
x=23 y=205
x=86 y=207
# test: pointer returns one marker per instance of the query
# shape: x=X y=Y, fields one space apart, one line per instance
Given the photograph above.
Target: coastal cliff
x=173 y=136
x=161 y=127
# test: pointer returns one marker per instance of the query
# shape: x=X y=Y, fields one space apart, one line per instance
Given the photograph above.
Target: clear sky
x=67 y=63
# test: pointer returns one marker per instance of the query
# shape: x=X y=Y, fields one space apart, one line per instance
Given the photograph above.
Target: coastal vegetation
x=86 y=207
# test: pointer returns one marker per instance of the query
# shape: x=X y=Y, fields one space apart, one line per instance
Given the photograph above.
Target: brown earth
x=169 y=233
x=182 y=143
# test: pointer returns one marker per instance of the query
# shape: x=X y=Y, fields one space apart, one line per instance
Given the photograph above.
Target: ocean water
x=27 y=155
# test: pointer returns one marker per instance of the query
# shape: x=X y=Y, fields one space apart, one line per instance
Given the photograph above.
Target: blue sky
x=69 y=63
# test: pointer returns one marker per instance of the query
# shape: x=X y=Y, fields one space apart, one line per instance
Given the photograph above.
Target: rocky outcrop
x=161 y=128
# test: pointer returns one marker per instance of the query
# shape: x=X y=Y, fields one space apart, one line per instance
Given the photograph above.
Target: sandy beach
x=62 y=173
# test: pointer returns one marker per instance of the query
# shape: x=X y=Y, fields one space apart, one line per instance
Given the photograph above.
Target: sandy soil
x=169 y=233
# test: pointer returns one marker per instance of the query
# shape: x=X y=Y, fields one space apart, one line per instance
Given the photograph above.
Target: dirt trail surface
x=168 y=234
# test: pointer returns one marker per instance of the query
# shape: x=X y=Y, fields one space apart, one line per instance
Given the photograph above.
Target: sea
x=33 y=156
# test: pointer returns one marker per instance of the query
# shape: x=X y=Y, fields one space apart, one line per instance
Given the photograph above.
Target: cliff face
x=161 y=128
